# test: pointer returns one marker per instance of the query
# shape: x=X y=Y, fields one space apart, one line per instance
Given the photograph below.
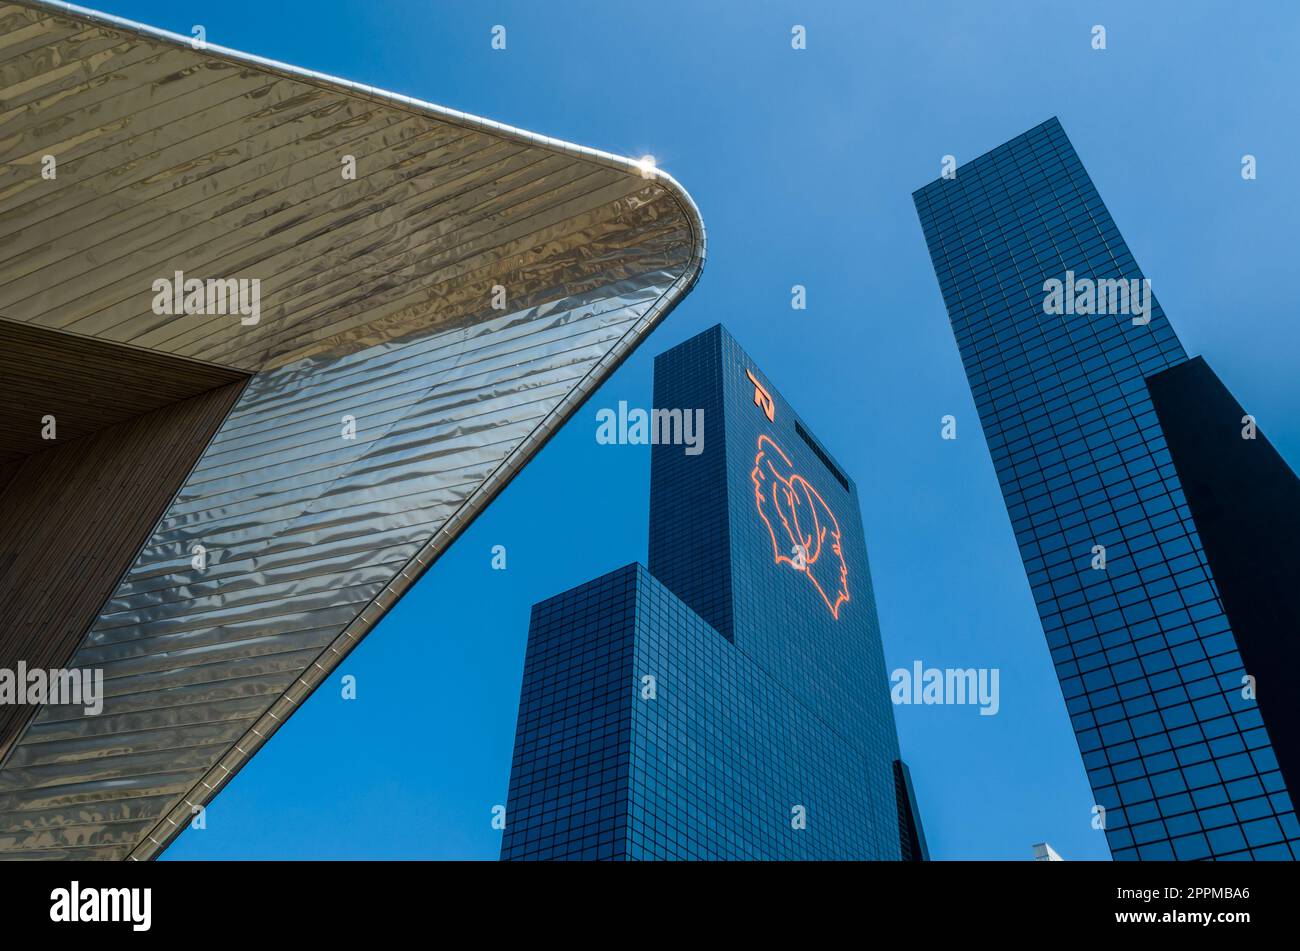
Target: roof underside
x=170 y=158
x=376 y=304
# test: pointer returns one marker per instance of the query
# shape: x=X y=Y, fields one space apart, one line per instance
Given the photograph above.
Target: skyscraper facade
x=1170 y=641
x=730 y=700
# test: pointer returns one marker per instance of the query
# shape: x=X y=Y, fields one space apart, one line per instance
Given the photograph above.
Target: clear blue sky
x=803 y=164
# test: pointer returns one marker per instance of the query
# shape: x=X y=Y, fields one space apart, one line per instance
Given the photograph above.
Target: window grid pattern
x=723 y=754
x=568 y=777
x=711 y=763
x=834 y=665
x=1147 y=662
x=690 y=531
x=771 y=734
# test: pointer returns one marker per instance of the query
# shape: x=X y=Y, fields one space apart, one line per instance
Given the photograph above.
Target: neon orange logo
x=762 y=398
x=808 y=526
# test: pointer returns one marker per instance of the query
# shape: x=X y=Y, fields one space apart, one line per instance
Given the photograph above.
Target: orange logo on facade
x=796 y=515
x=762 y=398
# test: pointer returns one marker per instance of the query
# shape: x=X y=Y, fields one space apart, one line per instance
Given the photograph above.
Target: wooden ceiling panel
x=86 y=385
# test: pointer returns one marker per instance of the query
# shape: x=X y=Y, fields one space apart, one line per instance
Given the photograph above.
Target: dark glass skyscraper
x=730 y=701
x=1158 y=528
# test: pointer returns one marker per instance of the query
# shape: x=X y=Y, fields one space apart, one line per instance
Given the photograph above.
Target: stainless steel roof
x=231 y=165
x=375 y=304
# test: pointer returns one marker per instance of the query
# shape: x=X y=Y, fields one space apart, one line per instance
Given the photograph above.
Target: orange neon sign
x=762 y=398
x=806 y=522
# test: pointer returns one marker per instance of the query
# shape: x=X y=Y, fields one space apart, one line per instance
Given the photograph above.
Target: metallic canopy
x=376 y=306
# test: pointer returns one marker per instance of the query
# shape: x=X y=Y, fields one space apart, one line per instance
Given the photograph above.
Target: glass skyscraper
x=729 y=701
x=1156 y=524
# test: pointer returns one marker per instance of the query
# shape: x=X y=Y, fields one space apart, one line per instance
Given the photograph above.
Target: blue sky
x=803 y=164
